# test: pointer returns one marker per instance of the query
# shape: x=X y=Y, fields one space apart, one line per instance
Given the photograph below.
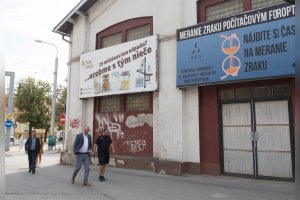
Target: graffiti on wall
x=135 y=142
x=134 y=146
x=112 y=122
x=75 y=123
x=139 y=120
x=129 y=133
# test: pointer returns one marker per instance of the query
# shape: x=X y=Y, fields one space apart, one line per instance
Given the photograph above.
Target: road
x=52 y=181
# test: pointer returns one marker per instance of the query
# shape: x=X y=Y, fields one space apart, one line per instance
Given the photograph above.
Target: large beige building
x=185 y=86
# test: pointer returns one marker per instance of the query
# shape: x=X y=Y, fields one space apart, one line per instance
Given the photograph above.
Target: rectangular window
x=263 y=3
x=110 y=103
x=226 y=94
x=223 y=9
x=138 y=32
x=138 y=101
x=243 y=93
x=260 y=92
x=112 y=40
x=280 y=90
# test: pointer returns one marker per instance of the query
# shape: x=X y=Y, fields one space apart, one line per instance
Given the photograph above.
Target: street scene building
x=200 y=87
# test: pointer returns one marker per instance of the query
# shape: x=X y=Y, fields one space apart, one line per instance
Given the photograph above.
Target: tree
x=60 y=104
x=32 y=100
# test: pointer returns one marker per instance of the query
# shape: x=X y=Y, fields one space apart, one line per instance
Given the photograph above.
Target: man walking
x=32 y=147
x=101 y=146
x=82 y=150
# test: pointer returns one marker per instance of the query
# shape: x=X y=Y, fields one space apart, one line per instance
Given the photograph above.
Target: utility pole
x=10 y=106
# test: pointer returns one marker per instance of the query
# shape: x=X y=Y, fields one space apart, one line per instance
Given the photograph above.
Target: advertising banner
x=253 y=45
x=125 y=68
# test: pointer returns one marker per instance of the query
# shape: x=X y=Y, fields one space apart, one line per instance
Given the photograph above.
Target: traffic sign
x=8 y=123
x=62 y=119
x=9 y=115
x=15 y=125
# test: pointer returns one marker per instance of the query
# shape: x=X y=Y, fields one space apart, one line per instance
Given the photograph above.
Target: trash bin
x=51 y=142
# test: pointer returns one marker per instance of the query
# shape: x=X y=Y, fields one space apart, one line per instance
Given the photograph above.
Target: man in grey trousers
x=83 y=151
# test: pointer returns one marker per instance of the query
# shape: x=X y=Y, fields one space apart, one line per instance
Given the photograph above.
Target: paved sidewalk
x=52 y=181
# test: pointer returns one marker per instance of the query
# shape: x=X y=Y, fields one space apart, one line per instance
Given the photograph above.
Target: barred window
x=263 y=3
x=112 y=40
x=138 y=101
x=138 y=32
x=224 y=9
x=110 y=103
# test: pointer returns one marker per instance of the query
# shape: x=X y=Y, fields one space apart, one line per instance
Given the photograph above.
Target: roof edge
x=67 y=17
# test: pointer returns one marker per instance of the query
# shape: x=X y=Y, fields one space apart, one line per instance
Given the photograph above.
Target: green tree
x=32 y=101
x=60 y=104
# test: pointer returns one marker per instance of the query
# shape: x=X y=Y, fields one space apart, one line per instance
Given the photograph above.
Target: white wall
x=76 y=108
x=176 y=120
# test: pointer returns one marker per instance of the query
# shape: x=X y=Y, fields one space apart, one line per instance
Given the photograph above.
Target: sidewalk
x=52 y=181
x=13 y=149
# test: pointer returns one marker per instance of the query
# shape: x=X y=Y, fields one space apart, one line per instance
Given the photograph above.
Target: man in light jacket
x=83 y=151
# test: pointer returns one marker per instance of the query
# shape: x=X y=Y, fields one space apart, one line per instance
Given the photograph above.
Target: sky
x=24 y=21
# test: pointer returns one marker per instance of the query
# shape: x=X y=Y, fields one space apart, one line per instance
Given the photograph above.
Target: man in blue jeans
x=82 y=150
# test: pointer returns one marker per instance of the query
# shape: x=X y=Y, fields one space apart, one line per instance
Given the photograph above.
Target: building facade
x=204 y=87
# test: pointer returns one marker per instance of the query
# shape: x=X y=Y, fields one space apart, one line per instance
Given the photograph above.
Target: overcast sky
x=27 y=20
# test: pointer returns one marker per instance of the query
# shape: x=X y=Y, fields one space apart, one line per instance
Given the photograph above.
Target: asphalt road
x=52 y=181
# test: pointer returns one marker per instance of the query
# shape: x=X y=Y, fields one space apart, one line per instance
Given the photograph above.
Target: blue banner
x=254 y=45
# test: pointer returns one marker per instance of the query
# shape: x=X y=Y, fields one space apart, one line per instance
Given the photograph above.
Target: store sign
x=125 y=68
x=253 y=45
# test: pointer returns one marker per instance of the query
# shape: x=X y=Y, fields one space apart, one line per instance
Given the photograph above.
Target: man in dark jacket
x=32 y=147
x=82 y=150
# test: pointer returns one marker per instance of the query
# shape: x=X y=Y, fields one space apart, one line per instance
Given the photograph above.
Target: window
x=261 y=92
x=226 y=94
x=258 y=92
x=112 y=40
x=243 y=93
x=209 y=10
x=124 y=31
x=263 y=3
x=223 y=9
x=138 y=32
x=110 y=103
x=138 y=101
x=280 y=90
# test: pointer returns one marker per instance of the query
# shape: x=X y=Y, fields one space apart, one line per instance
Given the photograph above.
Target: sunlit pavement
x=52 y=181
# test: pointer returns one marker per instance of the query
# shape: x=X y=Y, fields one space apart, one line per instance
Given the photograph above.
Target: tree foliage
x=32 y=100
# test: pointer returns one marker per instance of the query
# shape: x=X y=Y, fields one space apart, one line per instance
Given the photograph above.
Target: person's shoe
x=73 y=180
x=87 y=184
x=102 y=178
x=33 y=171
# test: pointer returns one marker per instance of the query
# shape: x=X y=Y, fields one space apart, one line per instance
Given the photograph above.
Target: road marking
x=219 y=195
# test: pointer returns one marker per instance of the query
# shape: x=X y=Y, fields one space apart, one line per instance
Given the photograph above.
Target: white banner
x=125 y=68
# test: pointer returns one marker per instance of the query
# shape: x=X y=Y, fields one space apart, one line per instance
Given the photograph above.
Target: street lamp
x=54 y=87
